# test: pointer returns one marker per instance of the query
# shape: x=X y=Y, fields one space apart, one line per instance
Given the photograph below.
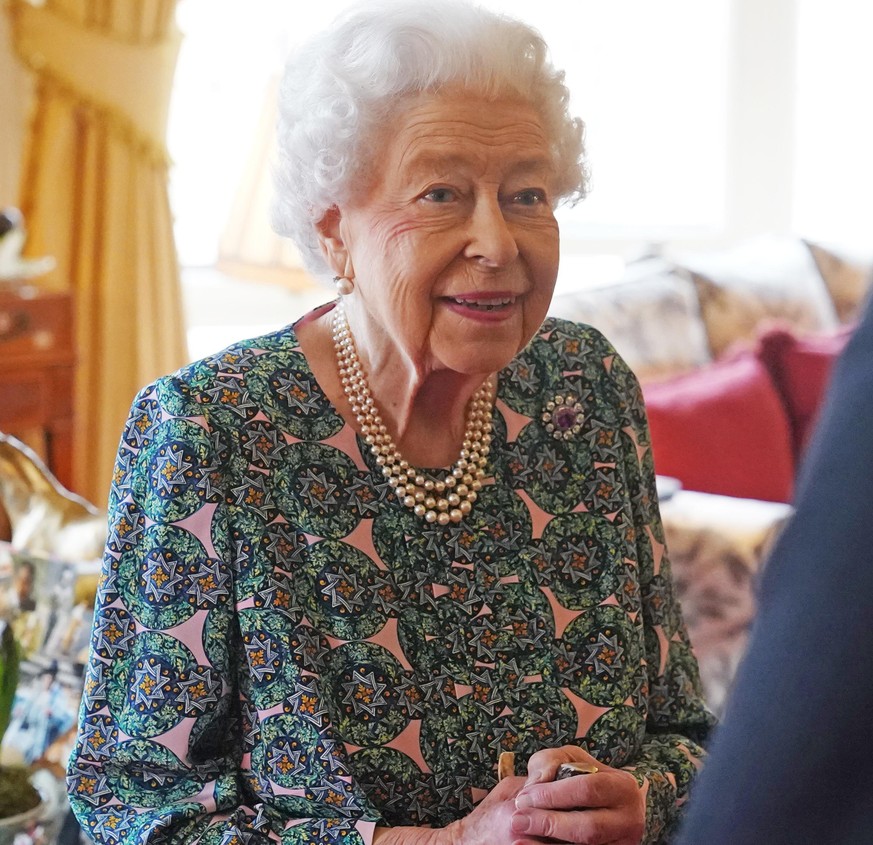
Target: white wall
x=761 y=117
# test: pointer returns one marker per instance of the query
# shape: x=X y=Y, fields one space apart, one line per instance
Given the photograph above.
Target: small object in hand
x=505 y=765
x=568 y=770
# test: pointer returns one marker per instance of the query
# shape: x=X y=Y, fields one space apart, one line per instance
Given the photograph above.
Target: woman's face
x=452 y=242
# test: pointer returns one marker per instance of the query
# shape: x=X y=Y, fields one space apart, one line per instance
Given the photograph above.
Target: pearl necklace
x=442 y=501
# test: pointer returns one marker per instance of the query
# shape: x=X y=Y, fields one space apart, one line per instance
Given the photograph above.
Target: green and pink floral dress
x=283 y=652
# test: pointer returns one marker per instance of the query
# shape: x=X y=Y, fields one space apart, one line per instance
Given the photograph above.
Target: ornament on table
x=13 y=234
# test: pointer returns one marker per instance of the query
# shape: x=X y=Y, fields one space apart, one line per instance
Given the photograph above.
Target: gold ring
x=568 y=770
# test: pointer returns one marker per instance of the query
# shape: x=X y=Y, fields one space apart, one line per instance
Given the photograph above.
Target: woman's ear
x=333 y=245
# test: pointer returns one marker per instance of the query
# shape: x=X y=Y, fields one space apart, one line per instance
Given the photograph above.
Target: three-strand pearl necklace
x=444 y=500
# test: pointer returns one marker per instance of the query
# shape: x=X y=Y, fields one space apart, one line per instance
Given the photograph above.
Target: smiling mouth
x=483 y=304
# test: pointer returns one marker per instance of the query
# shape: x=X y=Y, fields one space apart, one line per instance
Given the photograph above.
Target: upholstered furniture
x=733 y=348
x=717 y=545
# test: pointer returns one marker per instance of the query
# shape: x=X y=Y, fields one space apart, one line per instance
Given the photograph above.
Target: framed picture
x=37 y=598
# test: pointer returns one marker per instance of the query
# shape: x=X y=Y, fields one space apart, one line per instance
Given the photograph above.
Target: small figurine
x=13 y=234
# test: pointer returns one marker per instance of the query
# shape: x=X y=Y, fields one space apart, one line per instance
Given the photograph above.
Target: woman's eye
x=440 y=195
x=530 y=197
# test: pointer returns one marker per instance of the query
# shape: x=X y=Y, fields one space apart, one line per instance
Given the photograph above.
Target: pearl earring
x=344 y=285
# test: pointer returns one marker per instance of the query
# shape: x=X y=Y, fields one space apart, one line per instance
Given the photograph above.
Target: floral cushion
x=650 y=315
x=848 y=278
x=717 y=547
x=761 y=279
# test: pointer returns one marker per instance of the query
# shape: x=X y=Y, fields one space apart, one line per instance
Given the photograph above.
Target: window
x=648 y=78
x=833 y=166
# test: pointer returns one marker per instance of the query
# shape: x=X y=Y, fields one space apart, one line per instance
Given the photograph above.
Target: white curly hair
x=343 y=85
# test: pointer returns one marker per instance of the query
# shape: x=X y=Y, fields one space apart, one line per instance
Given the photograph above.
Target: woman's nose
x=490 y=238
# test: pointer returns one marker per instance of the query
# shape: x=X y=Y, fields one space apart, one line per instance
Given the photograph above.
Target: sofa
x=733 y=348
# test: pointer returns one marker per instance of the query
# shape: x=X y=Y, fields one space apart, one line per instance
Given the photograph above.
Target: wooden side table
x=36 y=372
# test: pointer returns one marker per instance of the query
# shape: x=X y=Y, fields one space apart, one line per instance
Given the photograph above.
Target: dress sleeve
x=678 y=721
x=160 y=750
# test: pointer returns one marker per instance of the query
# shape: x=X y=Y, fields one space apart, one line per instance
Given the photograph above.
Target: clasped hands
x=605 y=808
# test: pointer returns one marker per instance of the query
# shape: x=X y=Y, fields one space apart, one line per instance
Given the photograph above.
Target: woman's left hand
x=594 y=809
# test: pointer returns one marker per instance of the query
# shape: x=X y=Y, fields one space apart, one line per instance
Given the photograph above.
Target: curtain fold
x=94 y=195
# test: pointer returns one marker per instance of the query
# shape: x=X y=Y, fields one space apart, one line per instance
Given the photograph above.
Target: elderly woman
x=353 y=561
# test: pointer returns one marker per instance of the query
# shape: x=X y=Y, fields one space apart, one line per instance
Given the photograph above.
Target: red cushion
x=723 y=429
x=800 y=367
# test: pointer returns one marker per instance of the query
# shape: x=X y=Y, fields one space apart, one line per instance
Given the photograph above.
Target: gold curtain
x=94 y=196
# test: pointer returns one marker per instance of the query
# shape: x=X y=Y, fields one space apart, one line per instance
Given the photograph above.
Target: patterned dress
x=282 y=651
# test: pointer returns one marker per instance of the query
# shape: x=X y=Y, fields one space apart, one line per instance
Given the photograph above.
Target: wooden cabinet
x=36 y=372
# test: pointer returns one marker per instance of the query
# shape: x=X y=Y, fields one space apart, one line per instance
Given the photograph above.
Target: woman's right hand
x=487 y=824
x=489 y=821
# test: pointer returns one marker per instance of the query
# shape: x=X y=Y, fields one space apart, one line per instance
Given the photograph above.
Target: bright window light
x=833 y=197
x=648 y=78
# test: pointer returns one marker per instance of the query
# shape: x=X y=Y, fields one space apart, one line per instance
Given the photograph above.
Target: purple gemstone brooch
x=563 y=416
